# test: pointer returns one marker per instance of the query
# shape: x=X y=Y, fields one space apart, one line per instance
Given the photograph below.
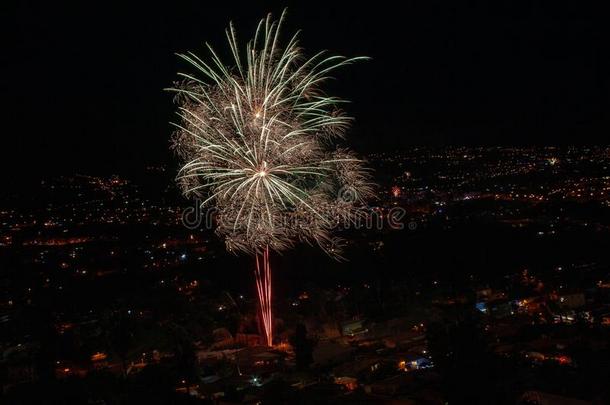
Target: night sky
x=82 y=84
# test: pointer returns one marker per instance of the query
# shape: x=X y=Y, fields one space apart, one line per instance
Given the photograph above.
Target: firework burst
x=256 y=139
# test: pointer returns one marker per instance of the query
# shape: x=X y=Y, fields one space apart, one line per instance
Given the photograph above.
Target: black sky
x=82 y=83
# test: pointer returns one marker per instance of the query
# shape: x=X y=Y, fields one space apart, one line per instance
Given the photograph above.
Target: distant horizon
x=25 y=182
x=126 y=169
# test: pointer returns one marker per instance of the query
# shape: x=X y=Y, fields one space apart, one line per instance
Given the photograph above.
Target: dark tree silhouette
x=303 y=347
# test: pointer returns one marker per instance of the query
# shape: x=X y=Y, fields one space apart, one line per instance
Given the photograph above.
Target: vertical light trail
x=263 y=287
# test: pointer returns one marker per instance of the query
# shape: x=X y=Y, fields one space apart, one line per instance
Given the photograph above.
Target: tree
x=303 y=347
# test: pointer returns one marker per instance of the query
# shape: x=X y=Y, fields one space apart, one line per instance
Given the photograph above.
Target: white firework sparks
x=256 y=140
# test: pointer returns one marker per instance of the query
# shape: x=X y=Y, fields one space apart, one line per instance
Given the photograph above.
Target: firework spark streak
x=263 y=287
x=256 y=140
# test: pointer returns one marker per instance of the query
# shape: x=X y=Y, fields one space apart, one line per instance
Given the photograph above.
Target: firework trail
x=256 y=141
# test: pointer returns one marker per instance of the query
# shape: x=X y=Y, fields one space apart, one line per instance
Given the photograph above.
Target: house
x=571 y=301
x=500 y=309
x=413 y=361
x=358 y=368
x=353 y=327
x=259 y=360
